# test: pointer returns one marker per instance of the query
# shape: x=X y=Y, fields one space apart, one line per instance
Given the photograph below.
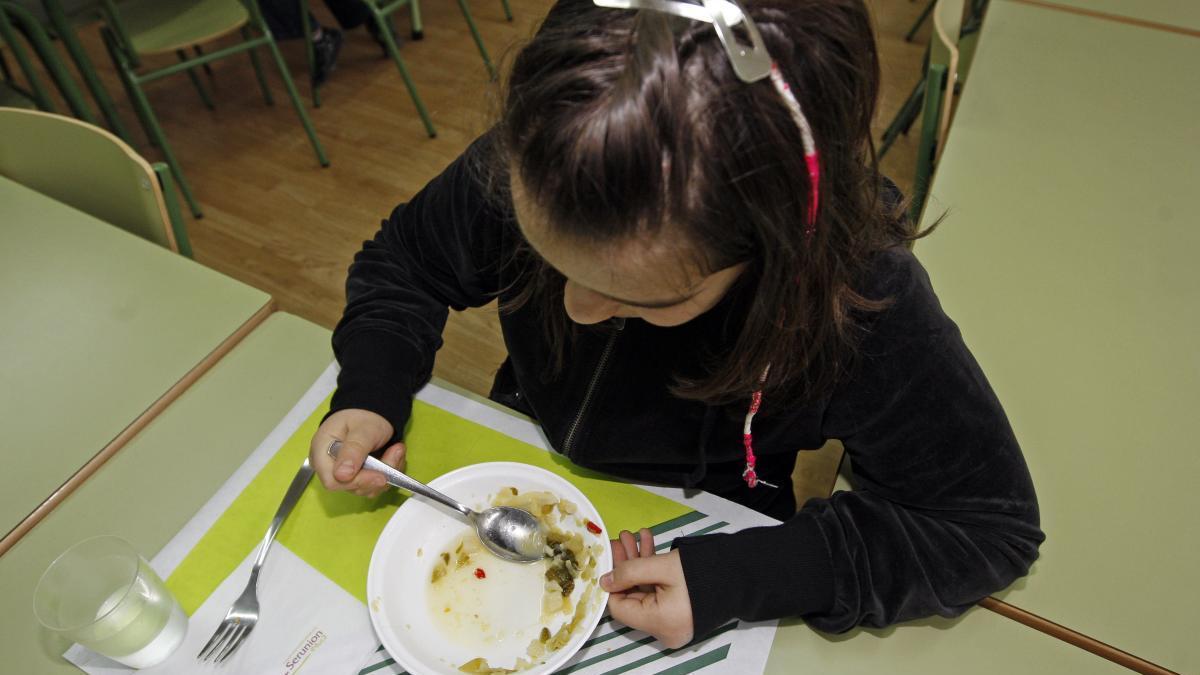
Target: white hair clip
x=750 y=62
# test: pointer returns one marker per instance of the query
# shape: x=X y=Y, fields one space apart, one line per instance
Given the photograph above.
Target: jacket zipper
x=569 y=440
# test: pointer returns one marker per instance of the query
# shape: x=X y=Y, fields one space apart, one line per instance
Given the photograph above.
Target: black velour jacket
x=944 y=511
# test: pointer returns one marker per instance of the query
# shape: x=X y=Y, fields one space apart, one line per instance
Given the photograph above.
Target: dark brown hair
x=622 y=123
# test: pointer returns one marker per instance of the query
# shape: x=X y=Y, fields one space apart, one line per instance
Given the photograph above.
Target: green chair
x=92 y=170
x=19 y=30
x=381 y=14
x=940 y=78
x=138 y=28
x=911 y=109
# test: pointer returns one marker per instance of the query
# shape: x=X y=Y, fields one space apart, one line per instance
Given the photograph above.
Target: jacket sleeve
x=943 y=514
x=439 y=251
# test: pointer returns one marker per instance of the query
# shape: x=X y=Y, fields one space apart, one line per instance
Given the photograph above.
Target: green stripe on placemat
x=335 y=532
x=607 y=655
x=607 y=636
x=692 y=665
x=587 y=663
x=697 y=533
x=377 y=666
x=687 y=666
x=673 y=523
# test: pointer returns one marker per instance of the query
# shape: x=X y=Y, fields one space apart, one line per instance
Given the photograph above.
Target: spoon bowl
x=508 y=532
x=511 y=533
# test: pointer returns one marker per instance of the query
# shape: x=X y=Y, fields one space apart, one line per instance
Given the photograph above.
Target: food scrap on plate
x=573 y=546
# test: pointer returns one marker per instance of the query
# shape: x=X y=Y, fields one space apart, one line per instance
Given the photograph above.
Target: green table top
x=979 y=642
x=98 y=324
x=1179 y=13
x=1068 y=258
x=157 y=482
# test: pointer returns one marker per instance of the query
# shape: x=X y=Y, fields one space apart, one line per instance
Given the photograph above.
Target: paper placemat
x=314 y=583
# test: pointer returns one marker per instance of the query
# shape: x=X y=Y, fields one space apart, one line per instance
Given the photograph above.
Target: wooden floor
x=278 y=221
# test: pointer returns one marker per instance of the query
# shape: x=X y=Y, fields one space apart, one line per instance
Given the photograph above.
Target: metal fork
x=243 y=615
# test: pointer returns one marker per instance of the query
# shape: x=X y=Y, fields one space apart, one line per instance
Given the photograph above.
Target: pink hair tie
x=813 y=163
x=811 y=159
x=750 y=474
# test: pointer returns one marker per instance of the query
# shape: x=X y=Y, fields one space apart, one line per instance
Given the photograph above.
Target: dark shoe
x=373 y=29
x=325 y=52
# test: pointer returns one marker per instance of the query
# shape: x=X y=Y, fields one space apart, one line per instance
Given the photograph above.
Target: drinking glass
x=101 y=594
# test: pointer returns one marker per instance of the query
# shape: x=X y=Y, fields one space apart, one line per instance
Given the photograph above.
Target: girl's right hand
x=361 y=433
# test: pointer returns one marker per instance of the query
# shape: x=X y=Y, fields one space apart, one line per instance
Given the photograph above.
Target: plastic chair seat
x=164 y=26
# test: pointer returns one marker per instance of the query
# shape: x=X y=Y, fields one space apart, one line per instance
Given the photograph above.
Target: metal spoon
x=508 y=532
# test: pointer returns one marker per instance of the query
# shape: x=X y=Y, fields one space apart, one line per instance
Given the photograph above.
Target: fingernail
x=345 y=469
x=606 y=580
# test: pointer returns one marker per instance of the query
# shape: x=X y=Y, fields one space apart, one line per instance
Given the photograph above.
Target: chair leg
x=507 y=10
x=145 y=112
x=914 y=109
x=291 y=90
x=390 y=43
x=920 y=20
x=487 y=61
x=927 y=147
x=60 y=77
x=418 y=29
x=904 y=118
x=83 y=64
x=146 y=115
x=258 y=71
x=174 y=215
x=310 y=51
x=119 y=63
x=208 y=103
x=207 y=67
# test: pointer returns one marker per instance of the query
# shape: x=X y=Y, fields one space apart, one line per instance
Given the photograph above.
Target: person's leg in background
x=284 y=20
x=351 y=14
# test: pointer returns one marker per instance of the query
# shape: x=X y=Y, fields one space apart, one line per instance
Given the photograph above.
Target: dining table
x=1181 y=16
x=146 y=492
x=150 y=490
x=1065 y=250
x=101 y=330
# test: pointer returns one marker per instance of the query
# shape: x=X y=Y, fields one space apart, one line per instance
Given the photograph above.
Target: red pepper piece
x=479 y=573
x=593 y=528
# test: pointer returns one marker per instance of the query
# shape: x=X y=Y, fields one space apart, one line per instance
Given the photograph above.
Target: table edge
x=134 y=427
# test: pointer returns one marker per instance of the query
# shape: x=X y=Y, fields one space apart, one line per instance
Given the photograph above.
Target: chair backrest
x=19 y=27
x=88 y=168
x=943 y=49
x=940 y=76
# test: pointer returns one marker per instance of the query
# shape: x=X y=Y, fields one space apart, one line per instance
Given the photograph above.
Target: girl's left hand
x=648 y=591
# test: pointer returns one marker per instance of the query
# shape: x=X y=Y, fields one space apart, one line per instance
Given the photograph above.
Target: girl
x=700 y=273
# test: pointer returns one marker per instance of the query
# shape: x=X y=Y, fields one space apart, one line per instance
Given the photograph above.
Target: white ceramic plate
x=506 y=608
